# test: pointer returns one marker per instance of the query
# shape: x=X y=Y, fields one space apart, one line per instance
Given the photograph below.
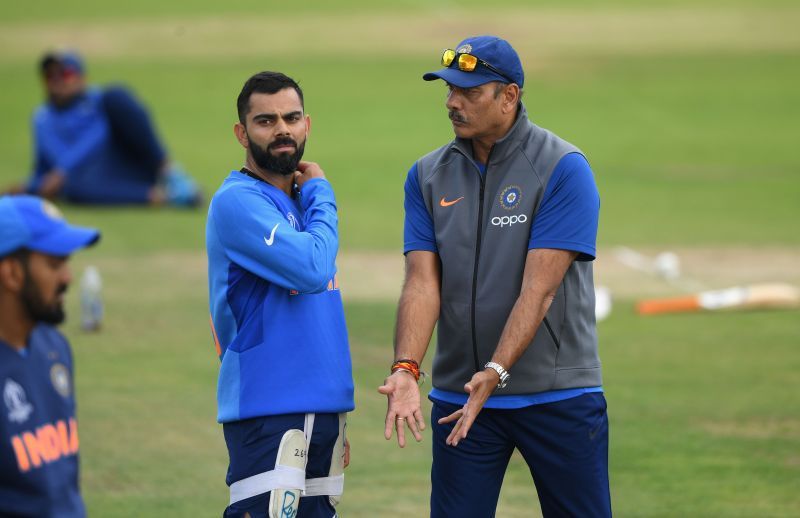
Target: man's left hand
x=479 y=388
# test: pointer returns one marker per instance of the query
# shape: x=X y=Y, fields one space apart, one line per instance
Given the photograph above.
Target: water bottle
x=91 y=299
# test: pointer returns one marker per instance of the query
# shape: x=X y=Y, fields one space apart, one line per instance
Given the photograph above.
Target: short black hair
x=20 y=254
x=264 y=83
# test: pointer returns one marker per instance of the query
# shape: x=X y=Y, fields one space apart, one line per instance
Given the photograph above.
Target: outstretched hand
x=403 y=410
x=479 y=388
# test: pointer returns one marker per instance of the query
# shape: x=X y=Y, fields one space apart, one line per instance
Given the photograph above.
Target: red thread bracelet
x=406 y=365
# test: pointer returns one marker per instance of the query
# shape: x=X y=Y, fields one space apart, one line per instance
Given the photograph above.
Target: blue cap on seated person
x=493 y=50
x=35 y=224
x=68 y=59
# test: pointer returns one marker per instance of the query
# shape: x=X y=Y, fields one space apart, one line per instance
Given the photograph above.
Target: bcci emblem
x=510 y=197
x=464 y=49
x=59 y=376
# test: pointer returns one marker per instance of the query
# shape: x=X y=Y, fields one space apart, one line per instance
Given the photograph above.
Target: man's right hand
x=402 y=391
x=306 y=171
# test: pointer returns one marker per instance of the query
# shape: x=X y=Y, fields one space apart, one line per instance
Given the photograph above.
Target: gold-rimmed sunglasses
x=468 y=62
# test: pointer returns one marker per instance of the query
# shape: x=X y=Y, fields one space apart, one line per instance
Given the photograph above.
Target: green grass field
x=688 y=112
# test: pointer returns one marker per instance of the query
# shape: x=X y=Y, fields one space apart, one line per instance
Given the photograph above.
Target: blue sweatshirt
x=91 y=141
x=276 y=310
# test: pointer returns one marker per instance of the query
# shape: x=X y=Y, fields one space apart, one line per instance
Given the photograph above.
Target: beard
x=38 y=310
x=283 y=163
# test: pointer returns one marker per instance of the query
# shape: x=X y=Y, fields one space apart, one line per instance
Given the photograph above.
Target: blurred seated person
x=97 y=145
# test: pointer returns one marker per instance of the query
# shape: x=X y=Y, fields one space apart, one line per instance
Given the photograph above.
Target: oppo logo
x=507 y=221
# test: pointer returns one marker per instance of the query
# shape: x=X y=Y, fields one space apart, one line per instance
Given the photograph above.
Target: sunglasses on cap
x=468 y=62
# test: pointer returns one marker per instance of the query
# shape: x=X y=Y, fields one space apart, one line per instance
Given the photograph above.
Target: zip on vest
x=475 y=275
x=551 y=333
x=477 y=256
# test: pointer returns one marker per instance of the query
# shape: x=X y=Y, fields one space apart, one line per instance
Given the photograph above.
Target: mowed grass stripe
x=537 y=33
x=378 y=275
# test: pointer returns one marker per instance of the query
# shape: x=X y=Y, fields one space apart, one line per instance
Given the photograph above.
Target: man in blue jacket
x=39 y=443
x=285 y=381
x=98 y=145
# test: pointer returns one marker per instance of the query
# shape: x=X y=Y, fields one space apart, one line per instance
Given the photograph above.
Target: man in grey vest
x=500 y=233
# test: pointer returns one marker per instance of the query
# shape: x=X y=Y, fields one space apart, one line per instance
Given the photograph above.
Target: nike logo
x=272 y=235
x=445 y=203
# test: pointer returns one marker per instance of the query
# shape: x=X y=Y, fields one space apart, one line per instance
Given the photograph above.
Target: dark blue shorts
x=564 y=443
x=253 y=448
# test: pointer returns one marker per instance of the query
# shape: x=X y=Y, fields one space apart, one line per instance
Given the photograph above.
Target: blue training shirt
x=567 y=220
x=276 y=310
x=38 y=430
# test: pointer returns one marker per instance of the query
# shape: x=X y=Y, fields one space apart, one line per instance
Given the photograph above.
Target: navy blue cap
x=491 y=49
x=36 y=224
x=68 y=59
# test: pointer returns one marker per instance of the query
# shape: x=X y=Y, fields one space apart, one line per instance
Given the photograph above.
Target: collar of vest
x=507 y=144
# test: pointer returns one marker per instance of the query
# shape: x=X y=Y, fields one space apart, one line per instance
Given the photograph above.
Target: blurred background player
x=285 y=383
x=38 y=431
x=98 y=145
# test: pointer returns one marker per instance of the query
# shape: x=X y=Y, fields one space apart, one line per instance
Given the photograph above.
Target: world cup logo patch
x=510 y=197
x=16 y=402
x=292 y=220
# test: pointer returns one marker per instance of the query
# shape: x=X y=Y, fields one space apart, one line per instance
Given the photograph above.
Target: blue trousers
x=565 y=445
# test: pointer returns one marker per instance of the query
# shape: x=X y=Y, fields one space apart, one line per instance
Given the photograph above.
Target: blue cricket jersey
x=567 y=220
x=38 y=430
x=276 y=310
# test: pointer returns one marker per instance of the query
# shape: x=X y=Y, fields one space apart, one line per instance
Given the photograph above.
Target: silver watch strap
x=504 y=375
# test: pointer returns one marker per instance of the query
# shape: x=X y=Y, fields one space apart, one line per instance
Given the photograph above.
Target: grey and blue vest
x=482 y=241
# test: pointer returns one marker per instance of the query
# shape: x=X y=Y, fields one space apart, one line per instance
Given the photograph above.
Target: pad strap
x=324 y=486
x=281 y=476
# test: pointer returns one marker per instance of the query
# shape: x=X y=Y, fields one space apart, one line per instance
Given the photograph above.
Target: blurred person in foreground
x=97 y=145
x=39 y=444
x=500 y=231
x=285 y=382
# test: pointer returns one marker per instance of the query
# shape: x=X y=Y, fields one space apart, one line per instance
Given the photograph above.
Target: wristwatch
x=504 y=375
